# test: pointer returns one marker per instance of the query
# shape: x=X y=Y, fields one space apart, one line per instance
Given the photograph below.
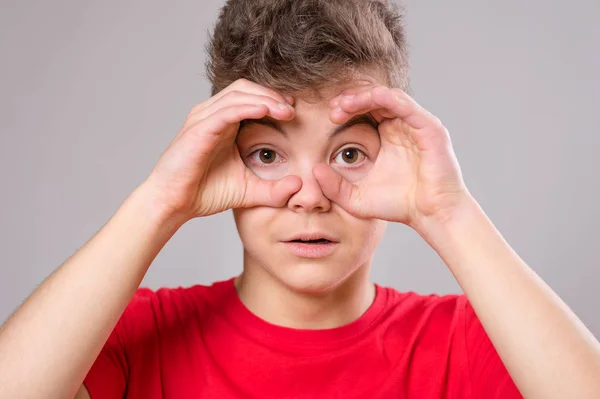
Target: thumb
x=273 y=193
x=336 y=188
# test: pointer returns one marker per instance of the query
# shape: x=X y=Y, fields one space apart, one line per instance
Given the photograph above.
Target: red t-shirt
x=202 y=342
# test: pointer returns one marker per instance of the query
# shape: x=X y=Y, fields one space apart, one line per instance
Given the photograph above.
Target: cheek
x=273 y=172
x=276 y=172
x=280 y=171
x=354 y=175
x=251 y=224
x=368 y=234
x=244 y=221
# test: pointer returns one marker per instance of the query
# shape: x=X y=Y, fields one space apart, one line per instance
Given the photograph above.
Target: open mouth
x=318 y=241
x=312 y=245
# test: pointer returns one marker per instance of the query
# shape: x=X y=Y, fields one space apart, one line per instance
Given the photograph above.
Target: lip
x=316 y=235
x=312 y=251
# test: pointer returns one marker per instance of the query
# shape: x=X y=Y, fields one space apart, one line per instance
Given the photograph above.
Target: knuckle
x=235 y=113
x=246 y=86
x=436 y=122
x=274 y=94
x=232 y=94
x=378 y=89
x=229 y=113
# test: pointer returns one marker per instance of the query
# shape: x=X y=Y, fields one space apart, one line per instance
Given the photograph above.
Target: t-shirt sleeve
x=108 y=376
x=489 y=376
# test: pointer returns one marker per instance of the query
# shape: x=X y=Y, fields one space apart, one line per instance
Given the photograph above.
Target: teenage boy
x=313 y=142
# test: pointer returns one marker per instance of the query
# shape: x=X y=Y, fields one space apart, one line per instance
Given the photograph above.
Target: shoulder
x=431 y=325
x=424 y=334
x=167 y=298
x=444 y=311
x=168 y=308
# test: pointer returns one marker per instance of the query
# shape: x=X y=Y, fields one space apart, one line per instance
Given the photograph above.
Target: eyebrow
x=361 y=119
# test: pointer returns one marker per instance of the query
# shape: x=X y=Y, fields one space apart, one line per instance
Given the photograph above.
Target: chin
x=308 y=276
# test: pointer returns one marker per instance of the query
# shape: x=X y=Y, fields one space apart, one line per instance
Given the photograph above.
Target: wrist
x=440 y=229
x=145 y=200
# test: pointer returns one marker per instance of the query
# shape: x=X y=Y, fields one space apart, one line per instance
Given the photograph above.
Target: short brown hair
x=298 y=45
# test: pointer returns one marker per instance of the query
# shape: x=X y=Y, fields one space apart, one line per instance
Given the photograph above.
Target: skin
x=51 y=341
x=535 y=333
x=286 y=289
x=415 y=179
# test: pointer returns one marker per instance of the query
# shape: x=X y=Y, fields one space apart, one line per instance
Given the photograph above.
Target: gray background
x=91 y=94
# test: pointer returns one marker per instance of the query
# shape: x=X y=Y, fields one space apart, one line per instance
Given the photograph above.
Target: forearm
x=51 y=341
x=547 y=350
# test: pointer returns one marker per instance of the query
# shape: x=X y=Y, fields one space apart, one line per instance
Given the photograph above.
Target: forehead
x=313 y=124
x=324 y=94
x=312 y=110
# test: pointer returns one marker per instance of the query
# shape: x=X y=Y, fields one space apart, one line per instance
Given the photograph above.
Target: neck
x=281 y=304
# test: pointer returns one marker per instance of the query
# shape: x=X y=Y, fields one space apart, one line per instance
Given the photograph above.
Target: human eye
x=350 y=156
x=264 y=156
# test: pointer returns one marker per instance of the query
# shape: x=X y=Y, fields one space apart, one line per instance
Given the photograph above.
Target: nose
x=310 y=197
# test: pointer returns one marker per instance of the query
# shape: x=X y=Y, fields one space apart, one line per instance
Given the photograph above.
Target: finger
x=341 y=116
x=250 y=87
x=346 y=106
x=278 y=110
x=203 y=136
x=273 y=193
x=390 y=103
x=335 y=101
x=336 y=188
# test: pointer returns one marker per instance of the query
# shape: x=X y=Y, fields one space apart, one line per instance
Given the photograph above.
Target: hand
x=201 y=172
x=416 y=174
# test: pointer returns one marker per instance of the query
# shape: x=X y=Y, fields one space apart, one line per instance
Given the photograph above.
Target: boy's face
x=274 y=149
